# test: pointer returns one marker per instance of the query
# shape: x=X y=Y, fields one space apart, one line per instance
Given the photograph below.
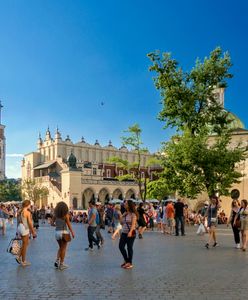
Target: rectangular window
x=108 y=173
x=94 y=171
x=120 y=172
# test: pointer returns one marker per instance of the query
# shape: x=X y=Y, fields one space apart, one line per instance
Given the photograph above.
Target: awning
x=46 y=165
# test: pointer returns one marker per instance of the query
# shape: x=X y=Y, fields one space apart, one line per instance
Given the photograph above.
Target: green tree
x=10 y=190
x=33 y=191
x=187 y=97
x=158 y=189
x=191 y=164
x=133 y=140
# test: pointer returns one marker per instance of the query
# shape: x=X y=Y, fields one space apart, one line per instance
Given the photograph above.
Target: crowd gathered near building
x=126 y=220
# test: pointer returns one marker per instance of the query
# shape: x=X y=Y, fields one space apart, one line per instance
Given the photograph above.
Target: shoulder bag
x=14 y=246
x=133 y=234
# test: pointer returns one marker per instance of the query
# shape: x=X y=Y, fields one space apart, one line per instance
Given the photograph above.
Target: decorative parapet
x=108 y=182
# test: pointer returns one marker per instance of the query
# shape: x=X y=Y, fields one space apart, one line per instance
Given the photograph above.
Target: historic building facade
x=239 y=138
x=2 y=148
x=78 y=172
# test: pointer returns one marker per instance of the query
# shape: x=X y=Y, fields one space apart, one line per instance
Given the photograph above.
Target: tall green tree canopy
x=187 y=97
x=189 y=104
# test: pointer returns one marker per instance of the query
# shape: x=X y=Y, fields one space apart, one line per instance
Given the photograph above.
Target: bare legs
x=116 y=232
x=244 y=239
x=62 y=250
x=141 y=231
x=25 y=242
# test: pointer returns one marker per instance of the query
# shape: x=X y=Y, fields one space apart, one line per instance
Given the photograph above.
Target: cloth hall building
x=78 y=172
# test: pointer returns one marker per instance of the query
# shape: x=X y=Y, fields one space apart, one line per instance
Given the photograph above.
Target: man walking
x=92 y=216
x=99 y=222
x=179 y=216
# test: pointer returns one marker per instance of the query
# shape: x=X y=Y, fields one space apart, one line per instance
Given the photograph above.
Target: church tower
x=2 y=147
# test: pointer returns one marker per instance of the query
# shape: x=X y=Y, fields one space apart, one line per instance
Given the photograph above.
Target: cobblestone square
x=165 y=267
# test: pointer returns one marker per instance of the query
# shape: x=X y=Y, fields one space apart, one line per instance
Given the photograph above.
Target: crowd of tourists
x=123 y=221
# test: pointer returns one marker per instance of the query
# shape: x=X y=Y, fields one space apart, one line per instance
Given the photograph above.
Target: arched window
x=74 y=203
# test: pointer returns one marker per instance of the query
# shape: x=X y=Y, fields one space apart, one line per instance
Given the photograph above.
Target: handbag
x=238 y=223
x=133 y=233
x=66 y=237
x=213 y=220
x=14 y=246
x=201 y=229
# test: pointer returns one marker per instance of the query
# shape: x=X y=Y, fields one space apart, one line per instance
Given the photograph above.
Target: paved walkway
x=166 y=267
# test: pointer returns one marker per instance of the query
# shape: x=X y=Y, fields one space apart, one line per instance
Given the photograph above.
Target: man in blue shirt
x=92 y=216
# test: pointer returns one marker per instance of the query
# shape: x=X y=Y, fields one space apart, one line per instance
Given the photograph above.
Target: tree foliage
x=10 y=190
x=133 y=140
x=33 y=191
x=191 y=164
x=158 y=189
x=187 y=97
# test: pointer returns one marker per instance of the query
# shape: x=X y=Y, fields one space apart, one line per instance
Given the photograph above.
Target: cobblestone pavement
x=165 y=267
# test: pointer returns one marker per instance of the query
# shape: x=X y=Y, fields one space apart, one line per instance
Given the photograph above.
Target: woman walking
x=129 y=220
x=211 y=214
x=4 y=215
x=62 y=222
x=243 y=213
x=141 y=220
x=234 y=212
x=117 y=221
x=25 y=227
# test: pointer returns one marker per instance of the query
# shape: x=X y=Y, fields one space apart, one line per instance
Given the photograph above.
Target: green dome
x=235 y=122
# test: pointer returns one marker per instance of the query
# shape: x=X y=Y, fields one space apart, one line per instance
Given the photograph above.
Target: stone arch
x=130 y=194
x=199 y=205
x=118 y=194
x=75 y=203
x=87 y=195
x=103 y=195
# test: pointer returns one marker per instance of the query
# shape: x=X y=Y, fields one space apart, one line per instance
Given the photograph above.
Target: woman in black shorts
x=141 y=220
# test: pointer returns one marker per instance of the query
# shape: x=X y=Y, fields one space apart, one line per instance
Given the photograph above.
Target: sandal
x=128 y=266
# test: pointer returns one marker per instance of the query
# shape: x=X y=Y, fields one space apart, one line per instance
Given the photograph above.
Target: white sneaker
x=237 y=246
x=63 y=267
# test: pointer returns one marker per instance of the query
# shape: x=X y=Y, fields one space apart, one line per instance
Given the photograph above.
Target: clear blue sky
x=60 y=59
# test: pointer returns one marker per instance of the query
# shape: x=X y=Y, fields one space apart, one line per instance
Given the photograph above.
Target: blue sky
x=60 y=59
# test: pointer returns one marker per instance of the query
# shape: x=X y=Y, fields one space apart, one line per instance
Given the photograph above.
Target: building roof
x=46 y=165
x=235 y=122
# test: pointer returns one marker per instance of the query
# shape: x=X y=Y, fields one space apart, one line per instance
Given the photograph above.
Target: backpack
x=97 y=218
